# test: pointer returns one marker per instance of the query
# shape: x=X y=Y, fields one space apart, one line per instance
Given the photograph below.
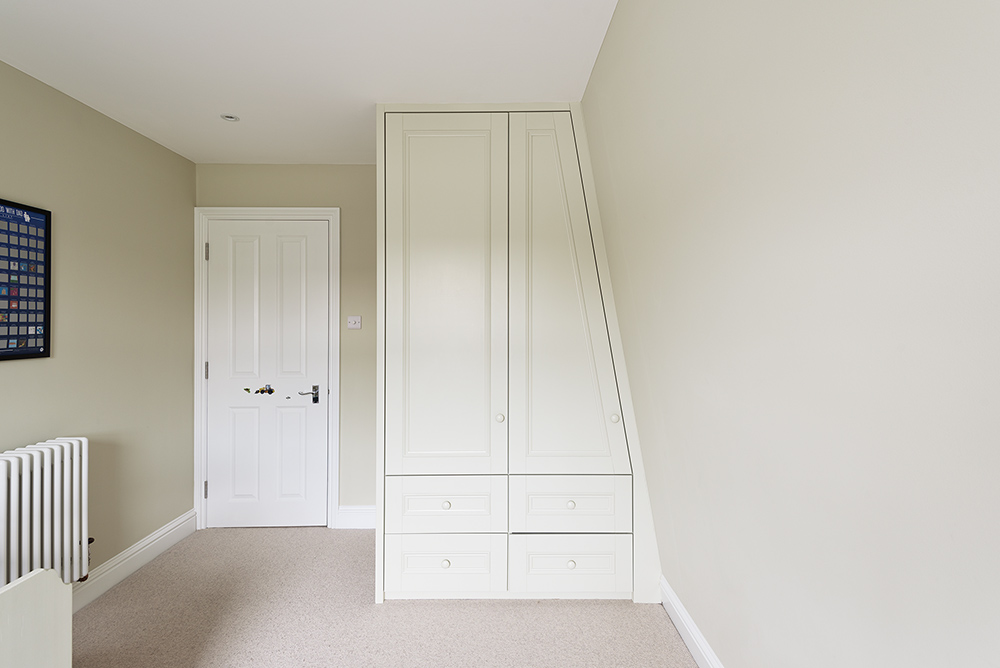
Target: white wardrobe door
x=565 y=415
x=446 y=293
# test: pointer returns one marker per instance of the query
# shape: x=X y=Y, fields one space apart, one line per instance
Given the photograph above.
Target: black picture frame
x=25 y=281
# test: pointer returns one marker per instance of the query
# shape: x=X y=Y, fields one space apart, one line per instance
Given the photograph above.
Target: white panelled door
x=268 y=321
x=565 y=415
x=446 y=294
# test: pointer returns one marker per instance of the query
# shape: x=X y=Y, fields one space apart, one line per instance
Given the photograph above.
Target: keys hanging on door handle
x=314 y=393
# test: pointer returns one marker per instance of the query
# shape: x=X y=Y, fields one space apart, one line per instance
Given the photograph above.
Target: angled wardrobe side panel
x=565 y=415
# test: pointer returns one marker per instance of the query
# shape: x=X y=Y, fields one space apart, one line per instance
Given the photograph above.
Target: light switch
x=354 y=322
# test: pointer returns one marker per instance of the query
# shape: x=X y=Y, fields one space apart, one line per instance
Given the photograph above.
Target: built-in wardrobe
x=505 y=466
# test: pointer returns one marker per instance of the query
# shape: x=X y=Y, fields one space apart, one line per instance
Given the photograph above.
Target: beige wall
x=802 y=210
x=352 y=188
x=122 y=284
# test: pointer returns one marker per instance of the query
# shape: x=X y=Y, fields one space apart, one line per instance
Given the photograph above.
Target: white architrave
x=202 y=216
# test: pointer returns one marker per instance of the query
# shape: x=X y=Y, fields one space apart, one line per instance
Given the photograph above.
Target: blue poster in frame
x=25 y=281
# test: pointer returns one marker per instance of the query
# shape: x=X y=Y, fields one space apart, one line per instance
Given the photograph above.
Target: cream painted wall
x=801 y=205
x=122 y=284
x=352 y=188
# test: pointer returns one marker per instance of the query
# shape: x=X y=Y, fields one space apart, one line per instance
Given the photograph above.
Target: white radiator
x=43 y=509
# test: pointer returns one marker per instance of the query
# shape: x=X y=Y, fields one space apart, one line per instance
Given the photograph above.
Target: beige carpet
x=304 y=597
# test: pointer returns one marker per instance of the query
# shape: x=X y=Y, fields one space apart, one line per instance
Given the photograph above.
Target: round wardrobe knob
x=615 y=419
x=571 y=504
x=446 y=505
x=445 y=563
x=500 y=417
x=571 y=564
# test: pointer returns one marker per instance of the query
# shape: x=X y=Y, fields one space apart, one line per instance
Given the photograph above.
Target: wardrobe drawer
x=446 y=504
x=458 y=565
x=571 y=563
x=570 y=504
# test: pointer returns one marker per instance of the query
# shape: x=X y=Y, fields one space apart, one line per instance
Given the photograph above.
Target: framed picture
x=25 y=281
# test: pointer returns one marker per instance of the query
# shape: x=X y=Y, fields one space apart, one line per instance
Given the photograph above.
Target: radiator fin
x=43 y=509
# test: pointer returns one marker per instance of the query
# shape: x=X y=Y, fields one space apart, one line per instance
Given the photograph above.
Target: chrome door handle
x=314 y=393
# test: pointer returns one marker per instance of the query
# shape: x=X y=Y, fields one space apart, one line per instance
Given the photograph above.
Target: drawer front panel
x=446 y=504
x=571 y=504
x=571 y=563
x=441 y=563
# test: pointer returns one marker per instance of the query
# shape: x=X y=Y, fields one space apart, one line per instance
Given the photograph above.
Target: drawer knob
x=615 y=418
x=571 y=564
x=500 y=417
x=571 y=504
x=445 y=563
x=446 y=505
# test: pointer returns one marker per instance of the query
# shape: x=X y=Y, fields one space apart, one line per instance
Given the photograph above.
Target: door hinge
x=206 y=370
x=206 y=489
x=206 y=250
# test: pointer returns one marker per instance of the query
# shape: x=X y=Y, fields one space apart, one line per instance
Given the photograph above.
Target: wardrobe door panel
x=446 y=293
x=565 y=415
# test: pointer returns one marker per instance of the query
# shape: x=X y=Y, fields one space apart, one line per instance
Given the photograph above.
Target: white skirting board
x=125 y=563
x=695 y=641
x=355 y=517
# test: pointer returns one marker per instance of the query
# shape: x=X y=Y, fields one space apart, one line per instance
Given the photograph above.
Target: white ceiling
x=302 y=75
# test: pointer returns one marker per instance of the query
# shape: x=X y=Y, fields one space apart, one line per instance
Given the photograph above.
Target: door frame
x=202 y=217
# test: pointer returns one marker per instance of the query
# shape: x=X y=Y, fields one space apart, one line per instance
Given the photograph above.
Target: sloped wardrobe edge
x=646 y=556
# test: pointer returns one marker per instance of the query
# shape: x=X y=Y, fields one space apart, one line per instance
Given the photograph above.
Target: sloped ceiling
x=303 y=75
